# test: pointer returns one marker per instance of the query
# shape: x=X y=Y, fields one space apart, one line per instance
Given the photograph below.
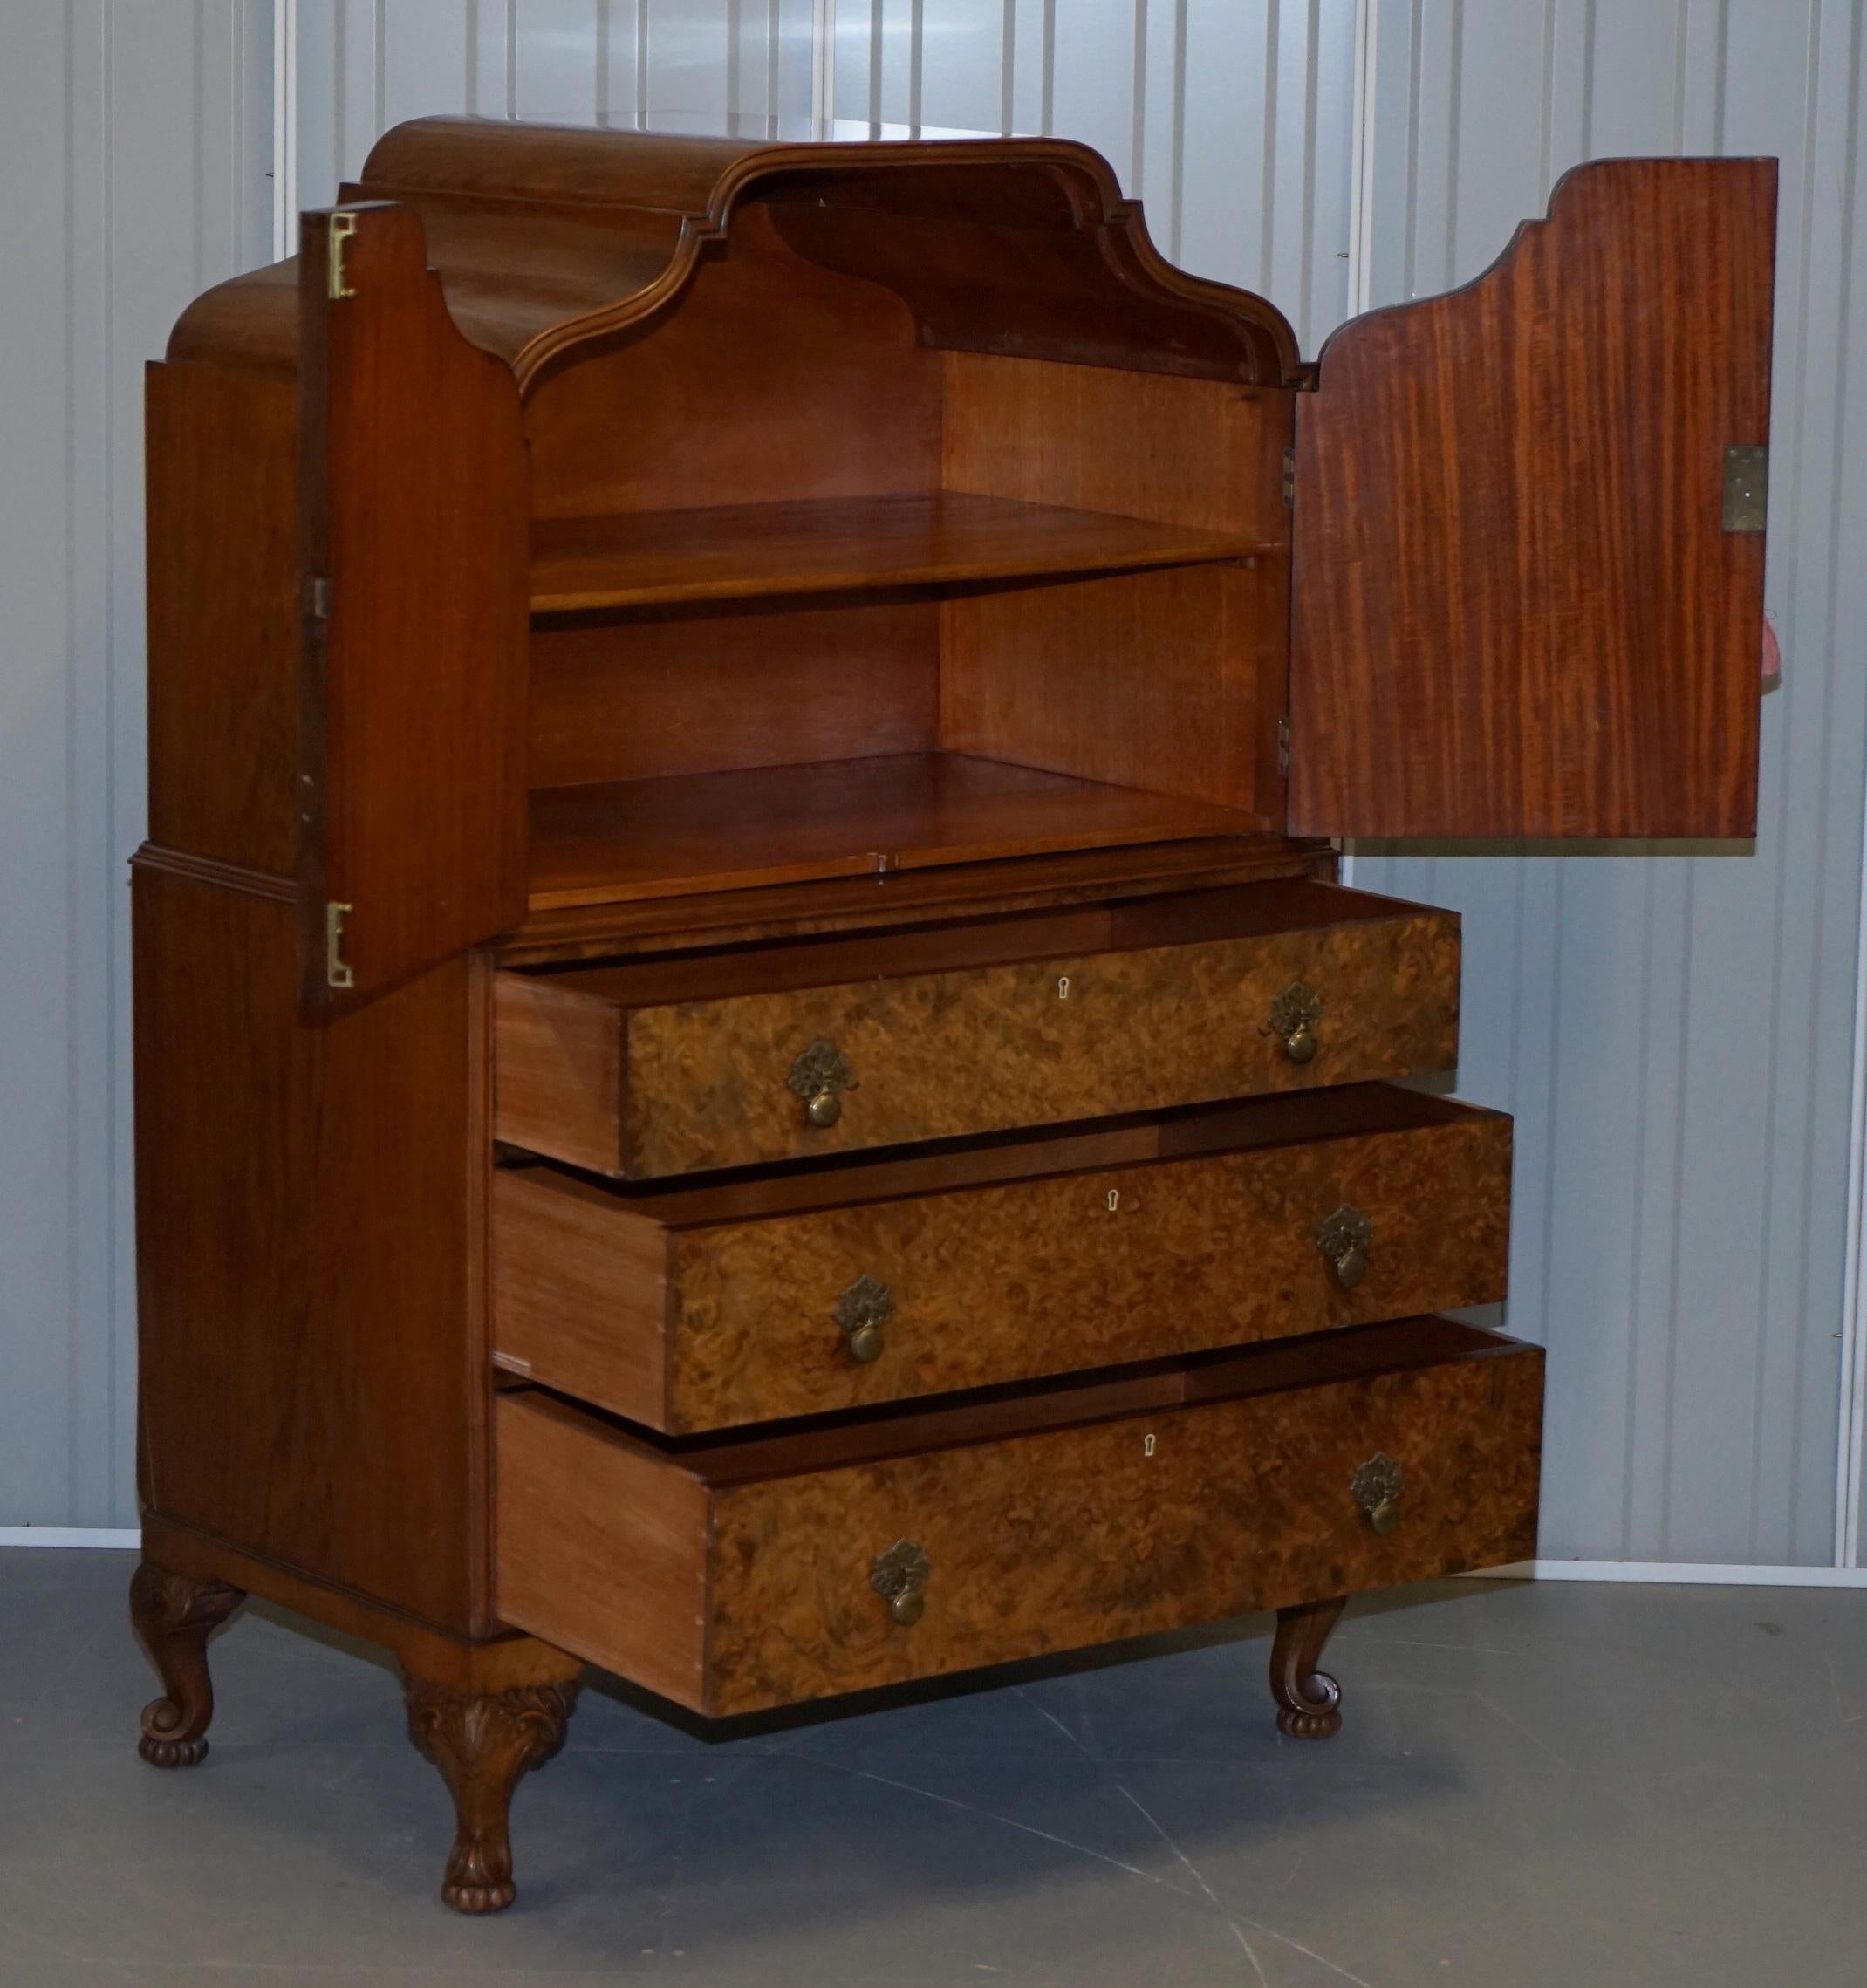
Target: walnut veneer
x=750 y=1065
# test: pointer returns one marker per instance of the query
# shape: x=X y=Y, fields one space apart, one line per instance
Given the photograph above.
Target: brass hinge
x=1283 y=745
x=341 y=227
x=1289 y=479
x=336 y=971
x=1746 y=488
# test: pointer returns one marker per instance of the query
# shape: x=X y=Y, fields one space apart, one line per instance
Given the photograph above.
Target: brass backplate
x=1746 y=488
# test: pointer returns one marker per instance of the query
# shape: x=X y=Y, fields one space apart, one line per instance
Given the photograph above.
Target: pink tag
x=1772 y=653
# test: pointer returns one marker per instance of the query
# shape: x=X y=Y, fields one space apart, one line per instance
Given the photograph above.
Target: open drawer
x=817 y=1047
x=731 y=1575
x=802 y=1291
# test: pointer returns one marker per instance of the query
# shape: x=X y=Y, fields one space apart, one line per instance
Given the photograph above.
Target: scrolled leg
x=482 y=1741
x=1309 y=1700
x=173 y=1617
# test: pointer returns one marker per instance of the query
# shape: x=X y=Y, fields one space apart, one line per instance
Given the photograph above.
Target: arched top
x=554 y=242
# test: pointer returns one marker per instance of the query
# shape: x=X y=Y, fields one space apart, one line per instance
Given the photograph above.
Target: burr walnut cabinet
x=750 y=1067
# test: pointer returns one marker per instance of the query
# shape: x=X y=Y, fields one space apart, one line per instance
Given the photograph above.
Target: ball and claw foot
x=482 y=1741
x=1309 y=1700
x=173 y=1617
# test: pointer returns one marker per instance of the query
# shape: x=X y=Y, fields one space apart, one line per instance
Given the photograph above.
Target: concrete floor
x=1588 y=1786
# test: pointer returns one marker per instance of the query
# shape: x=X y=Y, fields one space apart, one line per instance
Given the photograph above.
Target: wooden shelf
x=654 y=558
x=632 y=839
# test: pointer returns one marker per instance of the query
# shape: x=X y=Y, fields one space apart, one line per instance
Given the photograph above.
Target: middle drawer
x=791 y=1293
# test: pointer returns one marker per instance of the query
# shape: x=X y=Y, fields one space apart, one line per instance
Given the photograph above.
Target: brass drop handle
x=820 y=1076
x=861 y=1311
x=1343 y=1239
x=1376 y=1489
x=900 y=1576
x=1294 y=1016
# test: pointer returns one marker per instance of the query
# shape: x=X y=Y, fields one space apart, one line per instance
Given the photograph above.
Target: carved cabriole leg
x=482 y=1741
x=173 y=1617
x=1308 y=1699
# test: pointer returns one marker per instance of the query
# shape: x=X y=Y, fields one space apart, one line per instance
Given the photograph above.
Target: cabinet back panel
x=716 y=689
x=1192 y=452
x=772 y=379
x=1171 y=682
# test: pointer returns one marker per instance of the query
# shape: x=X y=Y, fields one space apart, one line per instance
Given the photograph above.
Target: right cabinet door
x=1527 y=591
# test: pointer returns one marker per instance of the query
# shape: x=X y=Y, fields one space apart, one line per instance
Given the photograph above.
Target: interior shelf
x=653 y=559
x=632 y=839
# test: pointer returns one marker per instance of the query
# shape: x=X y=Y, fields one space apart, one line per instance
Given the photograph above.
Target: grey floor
x=1551 y=1783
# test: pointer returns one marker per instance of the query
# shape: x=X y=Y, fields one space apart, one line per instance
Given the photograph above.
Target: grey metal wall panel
x=1671 y=1029
x=141 y=134
x=366 y=64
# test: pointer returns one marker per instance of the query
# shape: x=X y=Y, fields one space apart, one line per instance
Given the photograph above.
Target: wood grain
x=580 y=1294
x=709 y=1307
x=776 y=824
x=494 y=1661
x=830 y=544
x=412 y=505
x=1516 y=611
x=312 y=1380
x=1079 y=1534
x=1167 y=1004
x=1171 y=680
x=710 y=690
x=556 y=244
x=593 y=1533
x=773 y=379
x=1186 y=452
x=221 y=470
x=909 y=897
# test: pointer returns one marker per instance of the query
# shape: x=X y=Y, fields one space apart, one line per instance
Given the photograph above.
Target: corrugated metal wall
x=1672 y=1032
x=366 y=64
x=133 y=147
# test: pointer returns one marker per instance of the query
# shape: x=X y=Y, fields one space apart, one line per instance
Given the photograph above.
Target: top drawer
x=823 y=1046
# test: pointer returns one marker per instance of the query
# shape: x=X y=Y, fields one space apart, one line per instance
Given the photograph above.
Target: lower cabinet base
x=484 y=1739
x=733 y=1575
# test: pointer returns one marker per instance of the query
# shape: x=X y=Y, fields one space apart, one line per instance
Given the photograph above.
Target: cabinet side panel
x=314 y=1381
x=223 y=614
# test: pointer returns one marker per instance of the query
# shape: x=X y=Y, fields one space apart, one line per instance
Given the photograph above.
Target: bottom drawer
x=734 y=1575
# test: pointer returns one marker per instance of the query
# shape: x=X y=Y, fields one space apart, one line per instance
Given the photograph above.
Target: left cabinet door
x=413 y=508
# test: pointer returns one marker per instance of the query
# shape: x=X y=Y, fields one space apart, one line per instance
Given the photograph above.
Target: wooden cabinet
x=751 y=1068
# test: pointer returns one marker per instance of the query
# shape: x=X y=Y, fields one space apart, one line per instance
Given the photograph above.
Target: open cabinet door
x=1527 y=592
x=413 y=504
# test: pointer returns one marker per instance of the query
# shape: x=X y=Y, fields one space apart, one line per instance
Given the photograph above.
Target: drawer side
x=600 y=1547
x=580 y=1293
x=557 y=1071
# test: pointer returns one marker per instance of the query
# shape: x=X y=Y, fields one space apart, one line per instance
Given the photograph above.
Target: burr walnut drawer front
x=809 y=1290
x=818 y=1046
x=736 y=1576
